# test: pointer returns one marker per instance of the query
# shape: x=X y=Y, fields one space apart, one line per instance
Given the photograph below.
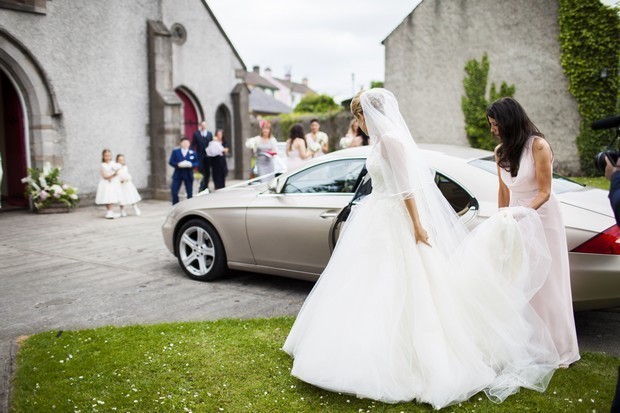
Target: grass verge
x=232 y=366
x=597 y=181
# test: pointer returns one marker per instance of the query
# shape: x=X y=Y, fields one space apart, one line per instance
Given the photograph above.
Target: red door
x=13 y=146
x=190 y=116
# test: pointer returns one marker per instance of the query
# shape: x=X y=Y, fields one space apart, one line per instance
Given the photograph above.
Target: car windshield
x=560 y=185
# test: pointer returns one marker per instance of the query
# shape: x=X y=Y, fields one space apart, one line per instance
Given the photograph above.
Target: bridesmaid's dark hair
x=515 y=127
x=365 y=138
x=297 y=132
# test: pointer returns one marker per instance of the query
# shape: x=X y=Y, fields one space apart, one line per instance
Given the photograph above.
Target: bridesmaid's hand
x=421 y=236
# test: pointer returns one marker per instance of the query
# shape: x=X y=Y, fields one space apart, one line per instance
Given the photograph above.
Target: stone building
x=425 y=57
x=132 y=76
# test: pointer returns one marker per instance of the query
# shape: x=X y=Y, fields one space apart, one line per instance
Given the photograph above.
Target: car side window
x=458 y=198
x=337 y=176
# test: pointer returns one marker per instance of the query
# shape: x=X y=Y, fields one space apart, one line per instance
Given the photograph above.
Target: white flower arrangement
x=44 y=187
x=345 y=142
x=322 y=138
x=251 y=143
x=314 y=146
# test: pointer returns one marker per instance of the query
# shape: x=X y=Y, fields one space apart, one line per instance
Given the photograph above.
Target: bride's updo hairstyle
x=356 y=104
x=375 y=99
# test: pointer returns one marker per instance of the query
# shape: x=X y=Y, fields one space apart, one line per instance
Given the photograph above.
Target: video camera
x=609 y=152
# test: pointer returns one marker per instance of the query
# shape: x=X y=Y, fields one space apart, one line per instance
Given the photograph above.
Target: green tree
x=474 y=103
x=316 y=104
x=376 y=83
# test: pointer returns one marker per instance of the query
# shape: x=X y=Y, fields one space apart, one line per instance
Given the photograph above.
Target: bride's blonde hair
x=376 y=100
x=356 y=104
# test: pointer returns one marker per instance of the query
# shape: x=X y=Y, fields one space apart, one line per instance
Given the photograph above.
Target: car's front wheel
x=200 y=251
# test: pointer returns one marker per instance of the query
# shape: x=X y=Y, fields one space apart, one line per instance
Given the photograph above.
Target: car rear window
x=560 y=184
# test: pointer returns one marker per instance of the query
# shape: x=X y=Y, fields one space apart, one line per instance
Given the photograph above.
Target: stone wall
x=91 y=65
x=95 y=58
x=427 y=52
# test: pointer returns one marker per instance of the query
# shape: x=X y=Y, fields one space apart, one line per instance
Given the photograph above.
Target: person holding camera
x=612 y=173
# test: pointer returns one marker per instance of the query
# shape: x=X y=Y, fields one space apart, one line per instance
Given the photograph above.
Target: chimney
x=256 y=69
x=304 y=81
x=267 y=72
x=288 y=76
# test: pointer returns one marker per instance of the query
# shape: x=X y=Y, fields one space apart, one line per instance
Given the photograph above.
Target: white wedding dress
x=395 y=321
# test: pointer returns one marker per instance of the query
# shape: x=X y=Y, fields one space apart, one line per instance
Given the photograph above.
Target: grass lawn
x=598 y=181
x=232 y=366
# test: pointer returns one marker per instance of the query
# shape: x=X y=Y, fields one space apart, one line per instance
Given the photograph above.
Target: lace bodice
x=373 y=165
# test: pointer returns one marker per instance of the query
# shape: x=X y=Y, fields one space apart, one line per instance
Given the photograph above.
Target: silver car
x=288 y=227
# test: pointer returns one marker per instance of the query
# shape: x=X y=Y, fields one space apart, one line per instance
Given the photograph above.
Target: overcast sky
x=324 y=40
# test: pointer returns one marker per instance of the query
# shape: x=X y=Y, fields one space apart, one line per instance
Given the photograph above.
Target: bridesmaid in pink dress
x=525 y=169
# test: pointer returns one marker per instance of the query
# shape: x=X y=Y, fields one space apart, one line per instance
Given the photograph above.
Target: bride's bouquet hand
x=421 y=236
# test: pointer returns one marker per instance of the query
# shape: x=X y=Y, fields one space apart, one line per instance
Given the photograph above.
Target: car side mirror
x=273 y=185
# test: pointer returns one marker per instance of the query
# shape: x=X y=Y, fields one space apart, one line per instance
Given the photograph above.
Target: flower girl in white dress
x=128 y=193
x=411 y=305
x=108 y=190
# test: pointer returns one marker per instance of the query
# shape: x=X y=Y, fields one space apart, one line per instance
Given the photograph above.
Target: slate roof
x=261 y=102
x=254 y=79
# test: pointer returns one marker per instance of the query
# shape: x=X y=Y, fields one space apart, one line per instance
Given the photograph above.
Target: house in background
x=133 y=77
x=425 y=57
x=271 y=95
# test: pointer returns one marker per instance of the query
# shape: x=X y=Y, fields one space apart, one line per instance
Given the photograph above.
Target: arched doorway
x=12 y=145
x=223 y=121
x=191 y=112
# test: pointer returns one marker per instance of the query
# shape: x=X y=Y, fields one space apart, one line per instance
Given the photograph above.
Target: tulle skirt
x=128 y=194
x=108 y=192
x=395 y=321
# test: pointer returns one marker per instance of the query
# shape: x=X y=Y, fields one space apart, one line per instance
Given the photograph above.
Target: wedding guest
x=199 y=144
x=296 y=148
x=361 y=139
x=525 y=168
x=183 y=160
x=216 y=152
x=108 y=190
x=265 y=146
x=317 y=141
x=129 y=193
x=347 y=140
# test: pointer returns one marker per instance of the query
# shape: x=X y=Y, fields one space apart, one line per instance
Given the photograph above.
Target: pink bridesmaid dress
x=553 y=302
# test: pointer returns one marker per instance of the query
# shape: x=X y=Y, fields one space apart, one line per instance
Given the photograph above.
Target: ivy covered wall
x=590 y=45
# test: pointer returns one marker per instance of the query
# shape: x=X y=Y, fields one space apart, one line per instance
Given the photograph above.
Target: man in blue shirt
x=183 y=160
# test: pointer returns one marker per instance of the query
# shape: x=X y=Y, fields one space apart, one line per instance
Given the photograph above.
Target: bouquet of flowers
x=321 y=138
x=314 y=146
x=346 y=142
x=251 y=143
x=45 y=188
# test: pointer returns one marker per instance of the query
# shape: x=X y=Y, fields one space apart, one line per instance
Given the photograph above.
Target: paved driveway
x=78 y=270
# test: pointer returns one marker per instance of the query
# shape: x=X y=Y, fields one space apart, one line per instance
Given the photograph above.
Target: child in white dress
x=108 y=190
x=128 y=193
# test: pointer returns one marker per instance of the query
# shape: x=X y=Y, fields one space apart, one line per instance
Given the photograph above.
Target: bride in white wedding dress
x=411 y=305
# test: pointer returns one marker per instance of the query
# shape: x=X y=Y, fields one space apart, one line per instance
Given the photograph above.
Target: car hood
x=591 y=199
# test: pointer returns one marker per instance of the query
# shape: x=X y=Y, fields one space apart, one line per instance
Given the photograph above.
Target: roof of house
x=261 y=102
x=255 y=79
x=295 y=87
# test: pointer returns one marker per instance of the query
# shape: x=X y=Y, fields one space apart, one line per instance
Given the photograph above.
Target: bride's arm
x=418 y=230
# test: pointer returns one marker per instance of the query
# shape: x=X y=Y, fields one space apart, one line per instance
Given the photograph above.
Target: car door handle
x=326 y=215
